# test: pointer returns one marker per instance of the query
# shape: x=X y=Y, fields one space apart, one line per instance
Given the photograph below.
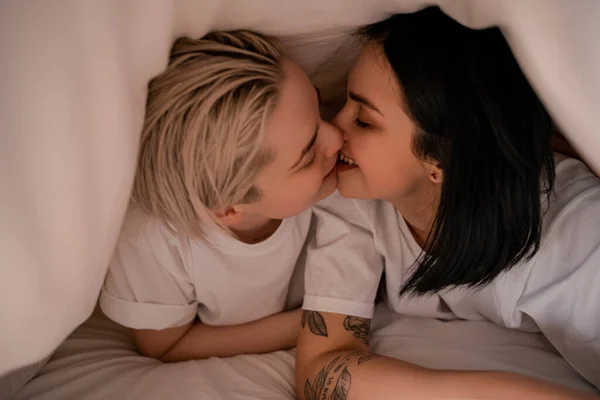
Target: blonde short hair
x=201 y=145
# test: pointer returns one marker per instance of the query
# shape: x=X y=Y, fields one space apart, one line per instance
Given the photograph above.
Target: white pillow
x=73 y=83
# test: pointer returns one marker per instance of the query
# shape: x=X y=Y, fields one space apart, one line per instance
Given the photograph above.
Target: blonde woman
x=233 y=154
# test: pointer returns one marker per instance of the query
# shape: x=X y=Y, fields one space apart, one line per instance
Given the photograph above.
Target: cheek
x=295 y=195
x=387 y=163
x=314 y=187
x=374 y=155
x=306 y=188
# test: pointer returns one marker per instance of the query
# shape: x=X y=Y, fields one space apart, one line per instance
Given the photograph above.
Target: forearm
x=265 y=335
x=333 y=362
x=355 y=376
x=199 y=341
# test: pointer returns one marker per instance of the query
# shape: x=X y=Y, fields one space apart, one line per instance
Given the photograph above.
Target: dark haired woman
x=465 y=208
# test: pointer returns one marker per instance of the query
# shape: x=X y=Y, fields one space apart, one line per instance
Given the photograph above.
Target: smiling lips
x=346 y=162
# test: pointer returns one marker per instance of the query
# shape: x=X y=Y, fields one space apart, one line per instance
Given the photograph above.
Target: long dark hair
x=480 y=120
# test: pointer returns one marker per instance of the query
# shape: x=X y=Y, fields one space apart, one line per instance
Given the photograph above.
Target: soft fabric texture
x=555 y=292
x=157 y=280
x=98 y=362
x=12 y=382
x=73 y=78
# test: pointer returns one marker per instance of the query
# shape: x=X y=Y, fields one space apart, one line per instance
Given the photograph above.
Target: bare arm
x=333 y=363
x=198 y=341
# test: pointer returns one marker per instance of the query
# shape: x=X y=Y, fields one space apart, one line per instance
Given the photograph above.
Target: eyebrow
x=308 y=147
x=361 y=100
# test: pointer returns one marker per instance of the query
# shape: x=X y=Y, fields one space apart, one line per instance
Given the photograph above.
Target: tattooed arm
x=333 y=362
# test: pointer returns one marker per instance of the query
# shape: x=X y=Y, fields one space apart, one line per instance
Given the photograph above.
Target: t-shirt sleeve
x=562 y=292
x=343 y=268
x=147 y=285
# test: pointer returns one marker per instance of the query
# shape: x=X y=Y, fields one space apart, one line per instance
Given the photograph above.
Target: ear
x=229 y=216
x=436 y=175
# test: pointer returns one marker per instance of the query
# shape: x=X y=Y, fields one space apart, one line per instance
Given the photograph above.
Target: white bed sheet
x=98 y=361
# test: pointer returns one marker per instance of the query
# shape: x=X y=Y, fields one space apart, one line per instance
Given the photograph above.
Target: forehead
x=295 y=116
x=373 y=77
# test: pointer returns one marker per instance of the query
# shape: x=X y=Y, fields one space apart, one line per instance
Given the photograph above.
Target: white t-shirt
x=557 y=292
x=157 y=281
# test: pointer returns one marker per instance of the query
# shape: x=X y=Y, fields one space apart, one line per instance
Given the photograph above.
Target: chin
x=328 y=186
x=350 y=191
x=345 y=192
x=326 y=190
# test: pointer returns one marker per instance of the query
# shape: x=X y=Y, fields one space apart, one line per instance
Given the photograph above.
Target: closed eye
x=361 y=124
x=310 y=163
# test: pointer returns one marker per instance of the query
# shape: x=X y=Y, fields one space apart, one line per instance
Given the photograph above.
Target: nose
x=336 y=119
x=337 y=122
x=334 y=140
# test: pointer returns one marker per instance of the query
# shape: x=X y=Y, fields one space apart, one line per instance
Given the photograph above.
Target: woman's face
x=304 y=147
x=377 y=160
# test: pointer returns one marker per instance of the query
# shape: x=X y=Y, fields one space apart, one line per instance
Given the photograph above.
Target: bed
x=73 y=80
x=98 y=361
